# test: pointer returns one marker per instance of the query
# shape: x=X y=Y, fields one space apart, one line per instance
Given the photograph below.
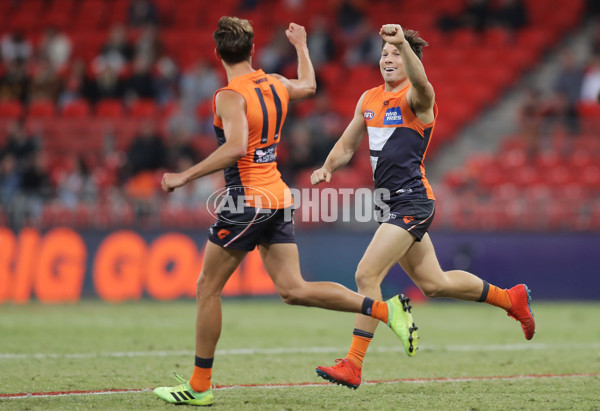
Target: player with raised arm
x=399 y=118
x=249 y=114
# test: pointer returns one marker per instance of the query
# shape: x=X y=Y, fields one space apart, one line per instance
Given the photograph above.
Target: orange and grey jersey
x=398 y=142
x=266 y=107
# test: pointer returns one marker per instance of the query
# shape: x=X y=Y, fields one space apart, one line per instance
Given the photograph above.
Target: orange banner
x=53 y=267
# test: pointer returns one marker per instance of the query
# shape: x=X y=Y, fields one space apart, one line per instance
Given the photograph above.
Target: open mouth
x=389 y=69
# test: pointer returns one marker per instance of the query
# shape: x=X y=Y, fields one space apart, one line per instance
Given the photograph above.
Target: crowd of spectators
x=557 y=108
x=135 y=62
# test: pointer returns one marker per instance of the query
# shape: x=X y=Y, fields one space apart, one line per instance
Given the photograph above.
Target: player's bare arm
x=306 y=84
x=231 y=108
x=344 y=148
x=421 y=96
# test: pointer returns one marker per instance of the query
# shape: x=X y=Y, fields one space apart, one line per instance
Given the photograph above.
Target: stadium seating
x=469 y=72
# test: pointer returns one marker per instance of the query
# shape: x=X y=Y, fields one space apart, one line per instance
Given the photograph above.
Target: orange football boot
x=520 y=309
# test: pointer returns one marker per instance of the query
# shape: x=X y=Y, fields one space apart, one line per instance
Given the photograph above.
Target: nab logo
x=393 y=116
x=408 y=219
x=369 y=114
x=223 y=233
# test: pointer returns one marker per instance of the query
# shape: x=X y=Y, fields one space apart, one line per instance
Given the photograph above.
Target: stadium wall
x=64 y=265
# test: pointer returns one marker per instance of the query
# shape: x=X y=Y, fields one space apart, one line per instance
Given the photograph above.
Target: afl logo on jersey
x=369 y=114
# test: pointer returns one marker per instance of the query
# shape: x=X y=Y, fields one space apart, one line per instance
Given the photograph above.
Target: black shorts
x=415 y=216
x=245 y=230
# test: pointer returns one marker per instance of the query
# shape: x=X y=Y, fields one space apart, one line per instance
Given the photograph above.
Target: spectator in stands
x=55 y=47
x=595 y=44
x=593 y=8
x=166 y=80
x=198 y=83
x=141 y=12
x=531 y=119
x=10 y=179
x=45 y=83
x=276 y=55
x=148 y=44
x=511 y=14
x=320 y=42
x=197 y=191
x=20 y=145
x=117 y=51
x=325 y=126
x=365 y=46
x=475 y=16
x=15 y=47
x=35 y=185
x=77 y=84
x=107 y=84
x=147 y=152
x=590 y=85
x=178 y=145
x=77 y=185
x=568 y=85
x=141 y=83
x=350 y=15
x=14 y=82
x=300 y=151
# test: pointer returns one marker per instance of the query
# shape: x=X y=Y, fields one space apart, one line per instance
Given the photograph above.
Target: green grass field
x=99 y=346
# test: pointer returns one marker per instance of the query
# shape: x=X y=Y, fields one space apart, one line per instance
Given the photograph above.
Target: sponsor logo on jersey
x=265 y=155
x=393 y=116
x=369 y=114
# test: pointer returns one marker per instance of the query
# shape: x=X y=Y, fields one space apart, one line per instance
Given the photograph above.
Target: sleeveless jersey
x=266 y=109
x=398 y=142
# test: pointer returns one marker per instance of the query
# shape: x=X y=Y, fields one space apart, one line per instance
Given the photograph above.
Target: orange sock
x=200 y=380
x=379 y=310
x=495 y=296
x=360 y=343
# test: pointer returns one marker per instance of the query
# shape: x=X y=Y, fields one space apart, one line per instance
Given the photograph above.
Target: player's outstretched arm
x=344 y=148
x=421 y=96
x=231 y=108
x=306 y=84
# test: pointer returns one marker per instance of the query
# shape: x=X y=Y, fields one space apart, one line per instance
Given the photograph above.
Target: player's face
x=391 y=65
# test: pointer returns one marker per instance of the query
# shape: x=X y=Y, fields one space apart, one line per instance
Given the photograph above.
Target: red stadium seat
x=111 y=108
x=11 y=109
x=76 y=109
x=144 y=108
x=41 y=109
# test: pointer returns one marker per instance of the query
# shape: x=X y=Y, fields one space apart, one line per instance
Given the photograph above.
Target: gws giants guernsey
x=266 y=109
x=398 y=142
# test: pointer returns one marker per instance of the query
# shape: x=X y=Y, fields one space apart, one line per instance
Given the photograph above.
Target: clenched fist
x=392 y=33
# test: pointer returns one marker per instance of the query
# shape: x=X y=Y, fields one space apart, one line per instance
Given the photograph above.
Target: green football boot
x=184 y=394
x=400 y=320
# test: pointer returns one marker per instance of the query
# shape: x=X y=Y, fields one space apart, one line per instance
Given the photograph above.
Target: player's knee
x=365 y=277
x=434 y=289
x=292 y=295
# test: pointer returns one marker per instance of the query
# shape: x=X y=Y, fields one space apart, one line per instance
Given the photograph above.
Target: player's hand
x=296 y=34
x=392 y=33
x=171 y=181
x=320 y=175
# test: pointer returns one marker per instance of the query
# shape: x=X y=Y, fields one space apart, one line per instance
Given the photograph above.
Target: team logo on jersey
x=369 y=114
x=223 y=233
x=266 y=154
x=393 y=116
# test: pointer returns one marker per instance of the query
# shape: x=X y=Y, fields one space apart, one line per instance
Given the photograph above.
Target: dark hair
x=414 y=40
x=233 y=38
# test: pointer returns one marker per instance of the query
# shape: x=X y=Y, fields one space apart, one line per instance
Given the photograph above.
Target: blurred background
x=99 y=97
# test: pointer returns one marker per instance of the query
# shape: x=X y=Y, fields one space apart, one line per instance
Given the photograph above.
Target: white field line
x=302 y=350
x=300 y=385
